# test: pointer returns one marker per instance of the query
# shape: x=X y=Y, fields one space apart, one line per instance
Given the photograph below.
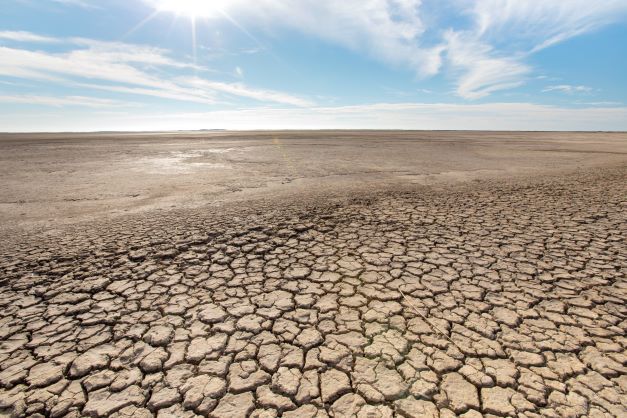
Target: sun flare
x=193 y=8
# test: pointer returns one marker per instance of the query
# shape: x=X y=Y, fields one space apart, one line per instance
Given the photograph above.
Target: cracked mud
x=492 y=299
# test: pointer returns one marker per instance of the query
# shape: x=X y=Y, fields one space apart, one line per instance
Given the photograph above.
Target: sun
x=195 y=11
x=192 y=8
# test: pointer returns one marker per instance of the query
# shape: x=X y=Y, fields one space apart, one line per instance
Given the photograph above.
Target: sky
x=118 y=65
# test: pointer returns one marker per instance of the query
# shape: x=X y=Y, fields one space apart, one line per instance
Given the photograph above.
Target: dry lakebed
x=313 y=274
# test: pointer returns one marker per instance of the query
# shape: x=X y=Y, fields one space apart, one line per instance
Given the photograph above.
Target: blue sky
x=83 y=65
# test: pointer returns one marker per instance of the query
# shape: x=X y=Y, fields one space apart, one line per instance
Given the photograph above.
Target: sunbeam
x=196 y=10
x=194 y=43
x=141 y=24
x=193 y=8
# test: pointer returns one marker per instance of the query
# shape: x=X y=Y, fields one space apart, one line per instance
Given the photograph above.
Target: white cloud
x=126 y=68
x=543 y=23
x=22 y=36
x=387 y=30
x=64 y=101
x=78 y=3
x=505 y=32
x=481 y=72
x=567 y=88
x=487 y=48
x=181 y=95
x=241 y=90
x=603 y=103
x=119 y=52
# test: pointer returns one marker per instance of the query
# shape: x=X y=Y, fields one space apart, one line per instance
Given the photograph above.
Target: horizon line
x=217 y=130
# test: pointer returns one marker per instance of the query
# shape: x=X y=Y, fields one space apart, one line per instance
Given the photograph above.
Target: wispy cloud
x=481 y=70
x=608 y=103
x=78 y=3
x=484 y=46
x=22 y=36
x=65 y=101
x=126 y=68
x=387 y=30
x=567 y=88
x=543 y=23
x=504 y=33
x=241 y=90
x=487 y=49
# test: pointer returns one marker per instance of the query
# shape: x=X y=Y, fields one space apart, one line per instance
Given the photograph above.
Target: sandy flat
x=52 y=179
x=313 y=274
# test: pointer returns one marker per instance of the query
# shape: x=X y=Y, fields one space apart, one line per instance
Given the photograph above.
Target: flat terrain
x=313 y=274
x=52 y=179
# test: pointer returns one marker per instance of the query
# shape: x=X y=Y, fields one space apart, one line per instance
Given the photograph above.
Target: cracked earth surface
x=492 y=299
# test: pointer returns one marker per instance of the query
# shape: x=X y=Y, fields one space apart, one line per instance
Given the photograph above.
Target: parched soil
x=49 y=180
x=497 y=298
